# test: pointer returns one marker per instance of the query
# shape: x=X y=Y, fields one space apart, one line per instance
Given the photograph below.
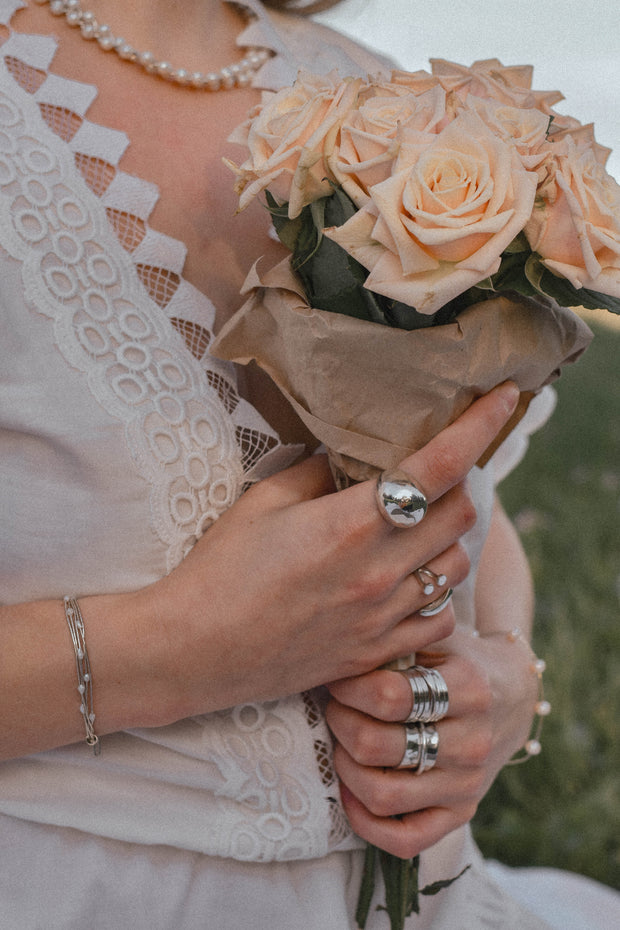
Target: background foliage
x=562 y=809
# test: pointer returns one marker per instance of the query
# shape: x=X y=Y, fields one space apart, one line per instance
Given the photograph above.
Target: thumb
x=307 y=480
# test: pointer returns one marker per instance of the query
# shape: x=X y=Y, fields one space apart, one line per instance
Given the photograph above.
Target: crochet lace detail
x=123 y=315
x=191 y=435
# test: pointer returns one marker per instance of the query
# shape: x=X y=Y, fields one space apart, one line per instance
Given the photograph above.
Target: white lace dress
x=122 y=440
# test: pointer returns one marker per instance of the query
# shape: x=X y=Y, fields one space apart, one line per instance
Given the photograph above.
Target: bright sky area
x=573 y=46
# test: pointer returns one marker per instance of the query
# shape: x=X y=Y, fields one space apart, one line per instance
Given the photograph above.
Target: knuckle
x=462 y=564
x=390 y=698
x=444 y=463
x=363 y=746
x=480 y=747
x=467 y=513
x=444 y=624
x=382 y=799
x=406 y=847
x=474 y=785
x=374 y=585
x=468 y=812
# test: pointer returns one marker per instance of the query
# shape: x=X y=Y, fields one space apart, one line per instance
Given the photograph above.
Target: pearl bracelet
x=75 y=623
x=542 y=707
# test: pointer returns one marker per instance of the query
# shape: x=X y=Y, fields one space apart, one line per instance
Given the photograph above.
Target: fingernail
x=509 y=393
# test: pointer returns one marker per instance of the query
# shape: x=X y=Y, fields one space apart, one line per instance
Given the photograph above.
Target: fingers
x=409 y=833
x=386 y=695
x=370 y=743
x=448 y=458
x=307 y=480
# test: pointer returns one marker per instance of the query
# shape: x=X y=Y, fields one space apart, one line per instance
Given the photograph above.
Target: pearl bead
x=238 y=74
x=212 y=81
x=125 y=51
x=543 y=708
x=181 y=76
x=539 y=666
x=163 y=69
x=533 y=747
x=106 y=42
x=227 y=78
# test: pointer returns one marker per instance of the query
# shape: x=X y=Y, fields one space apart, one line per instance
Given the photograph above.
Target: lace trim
x=196 y=461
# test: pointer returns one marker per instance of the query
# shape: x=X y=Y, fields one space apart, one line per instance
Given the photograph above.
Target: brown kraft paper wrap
x=373 y=394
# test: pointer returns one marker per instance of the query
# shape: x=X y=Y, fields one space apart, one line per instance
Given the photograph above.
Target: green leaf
x=561 y=290
x=367 y=887
x=288 y=230
x=436 y=887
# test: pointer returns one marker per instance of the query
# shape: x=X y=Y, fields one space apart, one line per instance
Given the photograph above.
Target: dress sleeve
x=514 y=447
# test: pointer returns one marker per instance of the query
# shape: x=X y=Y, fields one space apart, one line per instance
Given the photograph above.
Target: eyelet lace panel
x=179 y=431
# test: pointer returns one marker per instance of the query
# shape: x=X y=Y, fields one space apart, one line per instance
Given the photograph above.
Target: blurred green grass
x=562 y=808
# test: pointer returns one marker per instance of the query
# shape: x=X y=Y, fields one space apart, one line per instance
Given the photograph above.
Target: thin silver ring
x=401 y=503
x=436 y=606
x=430 y=579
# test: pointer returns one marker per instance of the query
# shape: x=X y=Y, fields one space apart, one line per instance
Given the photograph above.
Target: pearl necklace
x=238 y=74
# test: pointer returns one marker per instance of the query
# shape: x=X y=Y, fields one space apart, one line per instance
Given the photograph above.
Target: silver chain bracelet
x=82 y=665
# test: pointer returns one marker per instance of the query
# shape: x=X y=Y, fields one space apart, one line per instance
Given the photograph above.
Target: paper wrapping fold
x=373 y=394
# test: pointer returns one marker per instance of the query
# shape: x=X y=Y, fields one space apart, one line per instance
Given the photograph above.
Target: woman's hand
x=294 y=586
x=492 y=692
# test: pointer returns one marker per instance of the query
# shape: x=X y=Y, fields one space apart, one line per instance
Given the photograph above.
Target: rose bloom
x=575 y=225
x=440 y=223
x=526 y=128
x=285 y=136
x=363 y=151
x=490 y=79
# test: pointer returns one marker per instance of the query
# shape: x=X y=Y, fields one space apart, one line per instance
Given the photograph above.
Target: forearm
x=132 y=672
x=504 y=588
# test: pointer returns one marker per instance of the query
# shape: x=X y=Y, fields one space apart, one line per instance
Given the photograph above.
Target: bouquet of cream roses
x=440 y=224
x=457 y=208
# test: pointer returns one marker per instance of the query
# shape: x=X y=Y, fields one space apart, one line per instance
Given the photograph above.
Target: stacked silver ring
x=421 y=748
x=430 y=694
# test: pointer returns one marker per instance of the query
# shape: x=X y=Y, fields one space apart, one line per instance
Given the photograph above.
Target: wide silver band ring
x=436 y=606
x=399 y=500
x=430 y=695
x=421 y=747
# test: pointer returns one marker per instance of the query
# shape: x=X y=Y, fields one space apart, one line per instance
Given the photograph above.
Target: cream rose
x=491 y=79
x=440 y=223
x=526 y=128
x=575 y=225
x=285 y=136
x=363 y=151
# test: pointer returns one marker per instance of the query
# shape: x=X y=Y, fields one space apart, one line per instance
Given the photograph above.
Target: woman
x=210 y=618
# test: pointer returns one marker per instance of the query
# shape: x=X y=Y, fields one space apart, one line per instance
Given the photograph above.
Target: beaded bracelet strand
x=75 y=623
x=542 y=707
